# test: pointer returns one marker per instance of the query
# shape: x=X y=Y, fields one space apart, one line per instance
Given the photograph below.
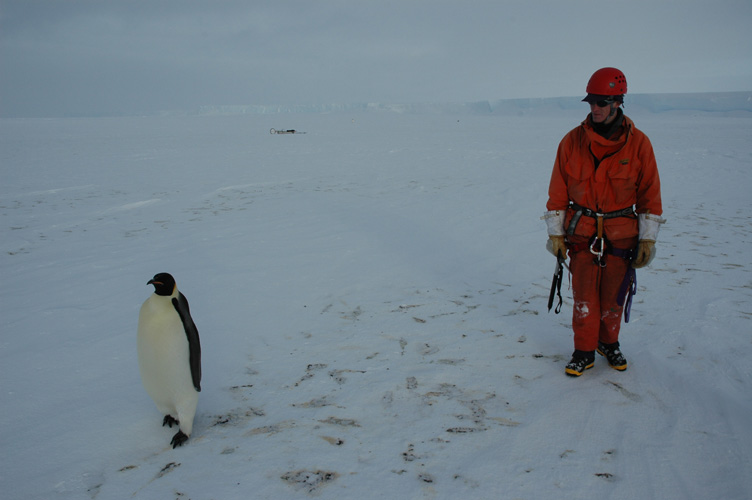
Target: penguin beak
x=153 y=282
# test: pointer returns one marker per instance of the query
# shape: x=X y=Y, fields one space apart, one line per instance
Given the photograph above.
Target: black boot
x=581 y=361
x=613 y=355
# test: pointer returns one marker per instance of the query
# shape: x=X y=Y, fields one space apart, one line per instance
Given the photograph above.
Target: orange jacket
x=626 y=176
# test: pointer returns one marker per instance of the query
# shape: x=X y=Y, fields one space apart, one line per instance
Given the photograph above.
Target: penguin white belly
x=164 y=361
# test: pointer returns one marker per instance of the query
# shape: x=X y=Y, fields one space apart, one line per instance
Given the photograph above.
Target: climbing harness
x=598 y=245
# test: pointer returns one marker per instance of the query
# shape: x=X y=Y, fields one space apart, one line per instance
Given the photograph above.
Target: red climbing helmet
x=607 y=81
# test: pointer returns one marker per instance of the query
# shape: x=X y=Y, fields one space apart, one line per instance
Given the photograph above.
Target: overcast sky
x=85 y=56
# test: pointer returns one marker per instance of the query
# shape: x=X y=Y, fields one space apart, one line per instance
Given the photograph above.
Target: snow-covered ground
x=371 y=297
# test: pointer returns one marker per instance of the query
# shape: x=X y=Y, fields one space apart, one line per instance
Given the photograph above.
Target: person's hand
x=558 y=246
x=645 y=252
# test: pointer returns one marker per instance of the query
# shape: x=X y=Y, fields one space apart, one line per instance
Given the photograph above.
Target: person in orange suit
x=603 y=212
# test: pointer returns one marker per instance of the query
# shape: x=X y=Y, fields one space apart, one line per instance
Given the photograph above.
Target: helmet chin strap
x=611 y=114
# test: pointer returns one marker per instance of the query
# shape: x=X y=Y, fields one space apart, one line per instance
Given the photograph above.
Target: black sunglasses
x=603 y=103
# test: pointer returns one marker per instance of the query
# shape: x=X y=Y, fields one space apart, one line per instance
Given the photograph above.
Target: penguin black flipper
x=194 y=345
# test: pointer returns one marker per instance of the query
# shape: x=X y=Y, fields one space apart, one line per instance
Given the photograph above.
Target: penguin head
x=164 y=284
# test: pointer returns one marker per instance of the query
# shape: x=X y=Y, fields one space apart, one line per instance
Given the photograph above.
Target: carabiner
x=599 y=238
x=598 y=253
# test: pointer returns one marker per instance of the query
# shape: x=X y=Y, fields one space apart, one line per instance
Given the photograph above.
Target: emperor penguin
x=169 y=355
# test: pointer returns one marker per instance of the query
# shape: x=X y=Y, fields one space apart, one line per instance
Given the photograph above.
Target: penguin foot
x=169 y=420
x=178 y=439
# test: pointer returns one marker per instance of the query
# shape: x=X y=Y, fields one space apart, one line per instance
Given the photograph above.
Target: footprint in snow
x=428 y=350
x=627 y=394
x=309 y=481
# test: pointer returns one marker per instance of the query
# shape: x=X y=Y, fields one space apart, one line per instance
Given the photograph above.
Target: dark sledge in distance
x=274 y=131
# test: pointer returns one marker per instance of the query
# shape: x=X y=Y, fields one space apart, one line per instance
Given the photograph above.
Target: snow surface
x=371 y=297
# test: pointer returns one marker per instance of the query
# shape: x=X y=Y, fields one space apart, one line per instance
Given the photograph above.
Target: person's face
x=603 y=111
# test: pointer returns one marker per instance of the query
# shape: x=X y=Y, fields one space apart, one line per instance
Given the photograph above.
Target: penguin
x=169 y=355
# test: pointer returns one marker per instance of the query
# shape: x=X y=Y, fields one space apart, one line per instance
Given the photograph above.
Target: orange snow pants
x=596 y=315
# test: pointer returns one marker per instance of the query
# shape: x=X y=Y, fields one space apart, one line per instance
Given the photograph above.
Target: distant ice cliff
x=656 y=103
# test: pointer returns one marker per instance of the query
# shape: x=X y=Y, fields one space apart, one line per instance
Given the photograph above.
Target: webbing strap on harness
x=579 y=211
x=627 y=290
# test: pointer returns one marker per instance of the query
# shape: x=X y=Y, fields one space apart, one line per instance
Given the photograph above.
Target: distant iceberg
x=482 y=107
x=655 y=103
